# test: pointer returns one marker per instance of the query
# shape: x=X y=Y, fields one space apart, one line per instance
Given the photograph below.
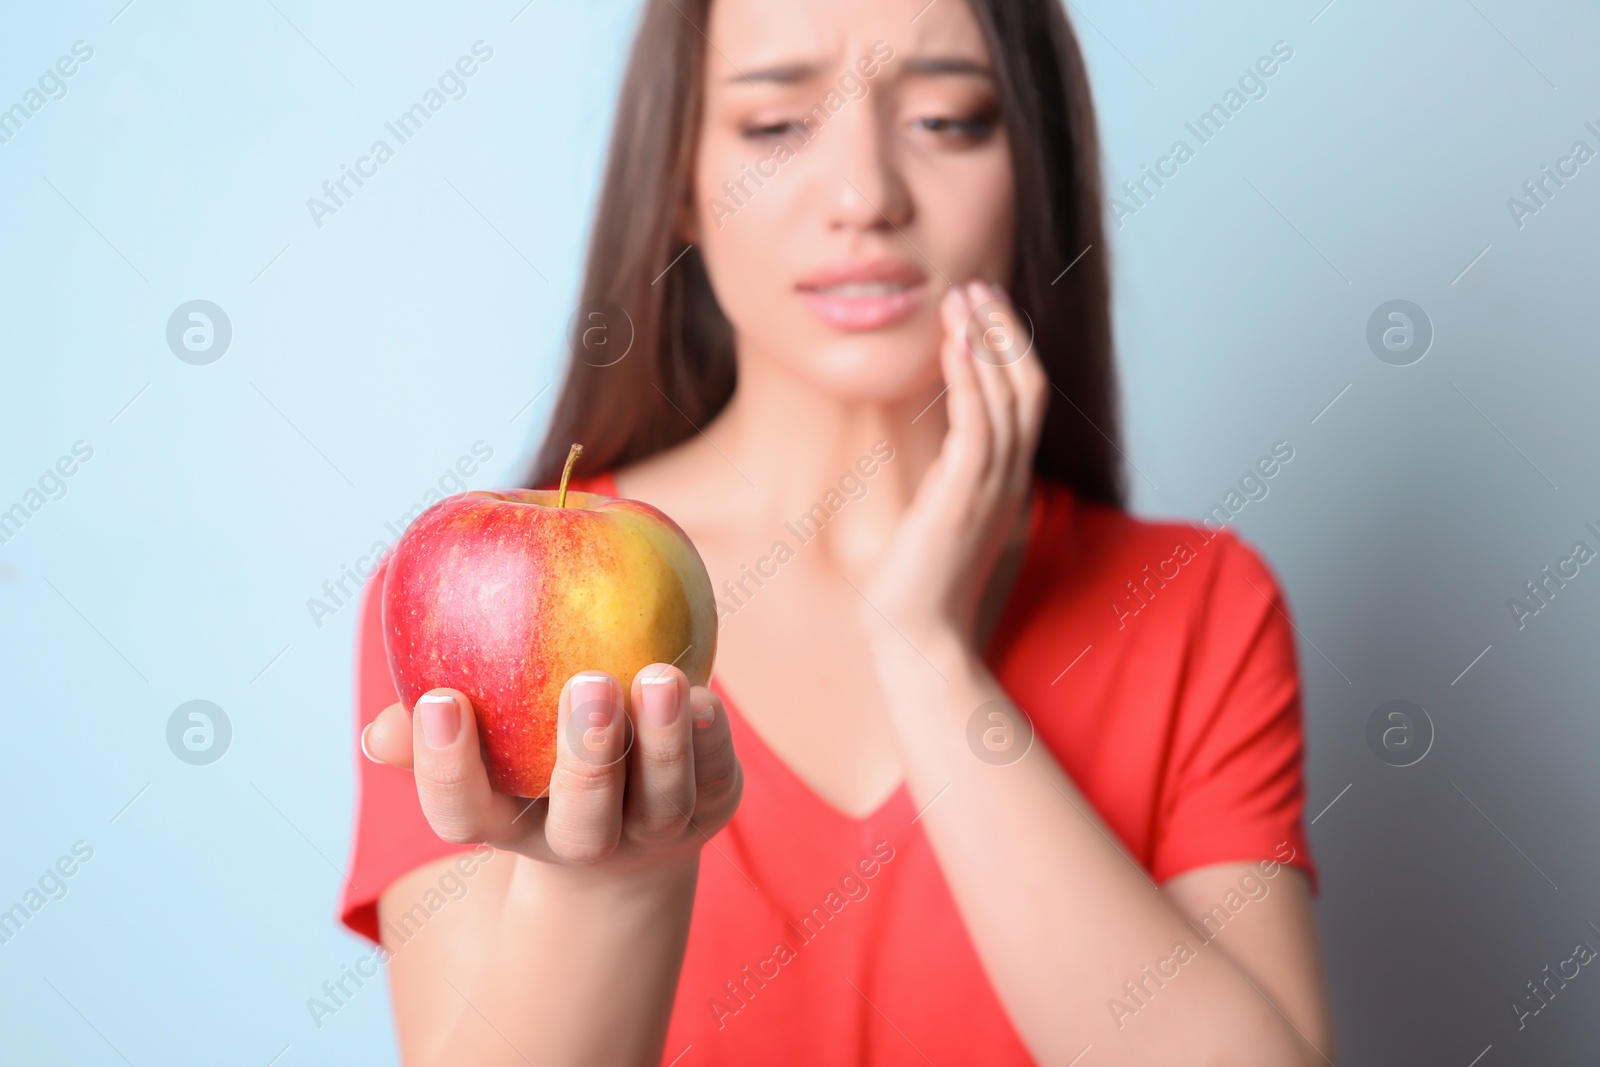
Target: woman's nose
x=865 y=186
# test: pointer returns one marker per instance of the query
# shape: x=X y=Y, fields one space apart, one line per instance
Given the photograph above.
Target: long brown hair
x=677 y=369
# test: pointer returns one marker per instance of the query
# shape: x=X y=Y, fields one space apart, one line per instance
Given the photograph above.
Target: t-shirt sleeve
x=391 y=834
x=1235 y=782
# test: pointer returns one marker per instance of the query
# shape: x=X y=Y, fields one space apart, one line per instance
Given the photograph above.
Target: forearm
x=1060 y=916
x=572 y=969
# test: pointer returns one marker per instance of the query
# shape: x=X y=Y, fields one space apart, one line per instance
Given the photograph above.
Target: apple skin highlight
x=504 y=596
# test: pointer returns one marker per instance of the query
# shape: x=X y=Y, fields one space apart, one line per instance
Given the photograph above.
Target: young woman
x=989 y=771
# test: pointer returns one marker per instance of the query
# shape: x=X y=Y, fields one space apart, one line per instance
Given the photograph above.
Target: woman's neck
x=799 y=444
x=782 y=448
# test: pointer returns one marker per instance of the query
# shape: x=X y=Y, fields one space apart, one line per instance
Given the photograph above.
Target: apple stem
x=566 y=472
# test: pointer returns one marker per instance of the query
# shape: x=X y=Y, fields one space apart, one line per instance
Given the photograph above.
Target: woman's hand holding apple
x=638 y=784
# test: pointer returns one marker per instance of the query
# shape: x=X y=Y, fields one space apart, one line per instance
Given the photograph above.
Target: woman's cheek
x=965 y=209
x=746 y=238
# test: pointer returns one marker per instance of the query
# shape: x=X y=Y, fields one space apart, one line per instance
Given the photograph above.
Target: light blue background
x=369 y=354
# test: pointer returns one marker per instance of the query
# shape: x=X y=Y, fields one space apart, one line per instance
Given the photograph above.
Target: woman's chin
x=860 y=373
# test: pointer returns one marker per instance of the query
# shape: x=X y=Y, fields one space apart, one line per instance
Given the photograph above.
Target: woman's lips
x=866 y=305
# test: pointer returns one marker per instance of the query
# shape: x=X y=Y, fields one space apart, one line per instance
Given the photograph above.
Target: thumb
x=387 y=738
x=452 y=782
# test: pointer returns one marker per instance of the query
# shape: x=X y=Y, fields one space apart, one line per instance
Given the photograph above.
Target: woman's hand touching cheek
x=932 y=579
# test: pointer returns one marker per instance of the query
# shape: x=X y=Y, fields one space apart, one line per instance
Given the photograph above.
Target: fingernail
x=441 y=720
x=977 y=292
x=594 y=698
x=365 y=751
x=702 y=719
x=660 y=695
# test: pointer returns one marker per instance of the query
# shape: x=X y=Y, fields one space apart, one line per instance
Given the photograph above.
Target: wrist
x=620 y=882
x=939 y=651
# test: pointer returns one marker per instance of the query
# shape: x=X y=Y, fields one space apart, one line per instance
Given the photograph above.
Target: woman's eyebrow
x=780 y=74
x=927 y=66
x=934 y=65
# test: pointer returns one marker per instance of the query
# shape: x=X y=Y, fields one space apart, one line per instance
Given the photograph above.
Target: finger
x=1003 y=334
x=719 y=780
x=965 y=450
x=584 y=823
x=452 y=782
x=387 y=739
x=999 y=344
x=1032 y=383
x=660 y=795
x=1030 y=387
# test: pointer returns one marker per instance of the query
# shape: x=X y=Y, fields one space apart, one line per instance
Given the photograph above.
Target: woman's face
x=851 y=167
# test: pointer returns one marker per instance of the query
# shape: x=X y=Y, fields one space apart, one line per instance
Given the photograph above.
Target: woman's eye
x=771 y=132
x=969 y=129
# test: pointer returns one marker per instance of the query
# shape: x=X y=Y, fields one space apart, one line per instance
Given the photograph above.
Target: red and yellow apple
x=505 y=595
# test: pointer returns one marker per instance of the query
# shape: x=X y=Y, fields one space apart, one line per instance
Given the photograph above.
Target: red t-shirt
x=1157 y=665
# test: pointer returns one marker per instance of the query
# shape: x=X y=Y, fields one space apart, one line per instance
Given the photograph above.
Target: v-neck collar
x=895 y=813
